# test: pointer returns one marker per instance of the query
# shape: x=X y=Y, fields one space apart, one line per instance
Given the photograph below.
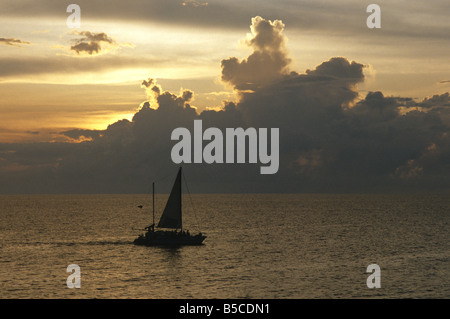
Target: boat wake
x=72 y=243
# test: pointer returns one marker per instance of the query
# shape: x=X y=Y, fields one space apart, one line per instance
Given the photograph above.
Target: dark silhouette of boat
x=171 y=218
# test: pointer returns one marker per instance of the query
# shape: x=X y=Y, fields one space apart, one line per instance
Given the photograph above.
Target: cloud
x=62 y=64
x=12 y=42
x=92 y=43
x=152 y=89
x=341 y=17
x=80 y=135
x=331 y=138
x=436 y=100
x=267 y=63
x=339 y=68
x=194 y=4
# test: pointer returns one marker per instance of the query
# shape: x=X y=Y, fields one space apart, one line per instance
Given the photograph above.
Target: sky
x=91 y=109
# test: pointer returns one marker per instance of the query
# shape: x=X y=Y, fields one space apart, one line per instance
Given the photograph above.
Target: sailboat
x=171 y=218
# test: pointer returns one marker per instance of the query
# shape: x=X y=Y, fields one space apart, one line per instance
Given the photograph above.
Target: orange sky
x=45 y=86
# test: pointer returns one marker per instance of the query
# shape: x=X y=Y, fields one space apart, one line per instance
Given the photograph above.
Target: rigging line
x=155 y=179
x=190 y=198
x=163 y=178
x=149 y=187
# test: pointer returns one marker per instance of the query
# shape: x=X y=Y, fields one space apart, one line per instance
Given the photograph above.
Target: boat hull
x=169 y=239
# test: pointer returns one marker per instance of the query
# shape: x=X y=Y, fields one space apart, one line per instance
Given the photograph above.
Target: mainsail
x=171 y=216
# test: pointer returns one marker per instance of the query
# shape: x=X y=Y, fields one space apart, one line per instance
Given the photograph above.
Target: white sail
x=171 y=216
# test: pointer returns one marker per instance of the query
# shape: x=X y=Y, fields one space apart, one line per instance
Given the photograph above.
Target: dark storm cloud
x=12 y=42
x=436 y=100
x=331 y=140
x=340 y=68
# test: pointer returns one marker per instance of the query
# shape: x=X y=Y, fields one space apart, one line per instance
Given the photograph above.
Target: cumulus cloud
x=164 y=99
x=436 y=100
x=331 y=139
x=152 y=89
x=268 y=62
x=339 y=68
x=92 y=43
x=12 y=42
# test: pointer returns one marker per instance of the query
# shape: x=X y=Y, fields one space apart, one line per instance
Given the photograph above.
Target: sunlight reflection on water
x=258 y=246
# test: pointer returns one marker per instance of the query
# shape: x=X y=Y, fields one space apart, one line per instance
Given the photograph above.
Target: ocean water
x=258 y=246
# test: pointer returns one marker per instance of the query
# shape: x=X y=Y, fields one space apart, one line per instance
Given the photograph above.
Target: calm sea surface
x=258 y=246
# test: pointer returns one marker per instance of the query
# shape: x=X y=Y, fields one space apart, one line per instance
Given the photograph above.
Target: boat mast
x=153 y=184
x=181 y=199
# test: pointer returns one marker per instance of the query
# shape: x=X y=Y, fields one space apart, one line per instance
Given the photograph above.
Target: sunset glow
x=296 y=63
